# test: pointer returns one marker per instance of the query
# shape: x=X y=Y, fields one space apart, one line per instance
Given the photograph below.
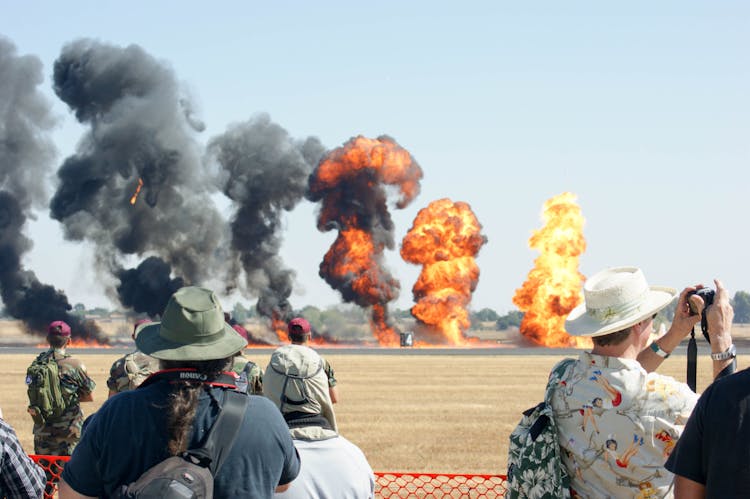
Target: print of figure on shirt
x=615 y=395
x=668 y=439
x=624 y=460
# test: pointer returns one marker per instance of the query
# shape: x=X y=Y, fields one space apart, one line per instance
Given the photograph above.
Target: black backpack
x=191 y=476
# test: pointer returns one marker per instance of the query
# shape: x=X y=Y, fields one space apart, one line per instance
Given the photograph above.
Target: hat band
x=194 y=339
x=611 y=313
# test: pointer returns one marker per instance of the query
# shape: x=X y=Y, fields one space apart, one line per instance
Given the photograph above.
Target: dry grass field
x=408 y=413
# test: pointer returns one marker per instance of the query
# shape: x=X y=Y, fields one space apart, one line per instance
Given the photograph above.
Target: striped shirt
x=20 y=477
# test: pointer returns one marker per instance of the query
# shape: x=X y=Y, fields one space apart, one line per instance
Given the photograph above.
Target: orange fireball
x=553 y=287
x=350 y=183
x=444 y=238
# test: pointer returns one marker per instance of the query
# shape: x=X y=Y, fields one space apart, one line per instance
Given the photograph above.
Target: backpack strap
x=557 y=373
x=223 y=432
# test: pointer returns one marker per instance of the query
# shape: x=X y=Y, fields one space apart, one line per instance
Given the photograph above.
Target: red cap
x=299 y=321
x=59 y=328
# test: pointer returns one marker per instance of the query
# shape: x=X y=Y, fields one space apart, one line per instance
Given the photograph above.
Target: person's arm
x=20 y=476
x=681 y=326
x=86 y=397
x=685 y=488
x=283 y=488
x=66 y=492
x=719 y=316
x=334 y=393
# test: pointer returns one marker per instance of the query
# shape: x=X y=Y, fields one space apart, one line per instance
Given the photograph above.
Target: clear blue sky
x=642 y=109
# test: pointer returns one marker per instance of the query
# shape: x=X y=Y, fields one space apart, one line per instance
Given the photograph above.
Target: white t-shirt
x=331 y=469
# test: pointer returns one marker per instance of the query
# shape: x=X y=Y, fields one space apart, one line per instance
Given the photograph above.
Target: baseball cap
x=300 y=322
x=58 y=328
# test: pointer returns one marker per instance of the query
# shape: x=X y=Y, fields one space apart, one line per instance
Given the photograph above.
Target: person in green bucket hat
x=175 y=407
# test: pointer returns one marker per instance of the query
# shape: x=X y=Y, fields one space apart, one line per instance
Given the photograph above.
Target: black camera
x=707 y=294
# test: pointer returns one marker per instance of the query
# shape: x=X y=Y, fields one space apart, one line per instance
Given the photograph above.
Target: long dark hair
x=183 y=400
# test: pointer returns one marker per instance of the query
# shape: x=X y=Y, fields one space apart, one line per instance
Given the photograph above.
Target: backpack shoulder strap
x=224 y=430
x=558 y=372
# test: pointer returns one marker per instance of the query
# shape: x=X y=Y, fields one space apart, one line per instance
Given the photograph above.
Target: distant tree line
x=344 y=317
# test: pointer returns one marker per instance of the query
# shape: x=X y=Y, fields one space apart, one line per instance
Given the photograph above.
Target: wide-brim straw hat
x=615 y=299
x=192 y=328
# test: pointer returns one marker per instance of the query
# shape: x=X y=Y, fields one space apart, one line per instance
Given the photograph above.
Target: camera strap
x=692 y=360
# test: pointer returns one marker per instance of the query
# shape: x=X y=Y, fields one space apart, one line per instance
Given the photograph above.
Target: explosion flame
x=553 y=287
x=444 y=238
x=134 y=197
x=350 y=183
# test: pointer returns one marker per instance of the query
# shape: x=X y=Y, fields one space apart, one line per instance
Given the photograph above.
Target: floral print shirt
x=617 y=424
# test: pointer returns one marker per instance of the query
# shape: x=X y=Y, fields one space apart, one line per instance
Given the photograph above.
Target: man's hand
x=684 y=321
x=720 y=316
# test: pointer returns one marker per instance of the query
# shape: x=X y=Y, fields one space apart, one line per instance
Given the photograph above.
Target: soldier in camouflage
x=250 y=375
x=299 y=334
x=59 y=436
x=129 y=371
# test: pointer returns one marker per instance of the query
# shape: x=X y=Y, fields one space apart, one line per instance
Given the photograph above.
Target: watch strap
x=658 y=351
x=729 y=353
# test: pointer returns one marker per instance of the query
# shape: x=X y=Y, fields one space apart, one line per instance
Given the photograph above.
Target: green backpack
x=43 y=387
x=535 y=467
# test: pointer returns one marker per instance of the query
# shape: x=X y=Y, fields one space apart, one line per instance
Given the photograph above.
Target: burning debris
x=26 y=154
x=445 y=238
x=553 y=287
x=350 y=183
x=265 y=173
x=139 y=146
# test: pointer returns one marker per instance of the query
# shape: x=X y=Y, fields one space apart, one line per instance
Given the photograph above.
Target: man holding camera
x=617 y=419
x=711 y=458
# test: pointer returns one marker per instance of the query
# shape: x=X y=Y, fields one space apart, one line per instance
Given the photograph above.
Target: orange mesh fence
x=387 y=485
x=437 y=486
x=53 y=466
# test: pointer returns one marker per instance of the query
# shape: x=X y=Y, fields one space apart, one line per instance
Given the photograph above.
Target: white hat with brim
x=192 y=329
x=615 y=299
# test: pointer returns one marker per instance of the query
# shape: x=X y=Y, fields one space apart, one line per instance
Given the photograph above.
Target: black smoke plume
x=264 y=173
x=147 y=288
x=26 y=154
x=136 y=184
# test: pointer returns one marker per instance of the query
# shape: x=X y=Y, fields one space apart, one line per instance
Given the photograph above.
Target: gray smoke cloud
x=264 y=172
x=140 y=126
x=26 y=156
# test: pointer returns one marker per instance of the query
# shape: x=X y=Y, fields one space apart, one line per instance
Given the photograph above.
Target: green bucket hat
x=192 y=328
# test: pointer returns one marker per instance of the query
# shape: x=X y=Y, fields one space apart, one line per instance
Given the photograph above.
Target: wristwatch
x=729 y=353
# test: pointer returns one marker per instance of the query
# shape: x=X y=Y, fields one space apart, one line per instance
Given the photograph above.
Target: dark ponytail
x=183 y=401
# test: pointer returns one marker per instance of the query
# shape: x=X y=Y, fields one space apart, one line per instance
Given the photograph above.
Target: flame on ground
x=80 y=343
x=444 y=238
x=553 y=287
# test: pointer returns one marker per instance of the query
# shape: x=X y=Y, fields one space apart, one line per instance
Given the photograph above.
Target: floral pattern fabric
x=617 y=424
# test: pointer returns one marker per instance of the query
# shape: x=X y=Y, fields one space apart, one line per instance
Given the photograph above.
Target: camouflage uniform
x=251 y=376
x=128 y=372
x=59 y=436
x=329 y=372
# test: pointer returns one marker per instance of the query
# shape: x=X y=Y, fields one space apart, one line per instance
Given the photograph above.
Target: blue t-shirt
x=128 y=435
